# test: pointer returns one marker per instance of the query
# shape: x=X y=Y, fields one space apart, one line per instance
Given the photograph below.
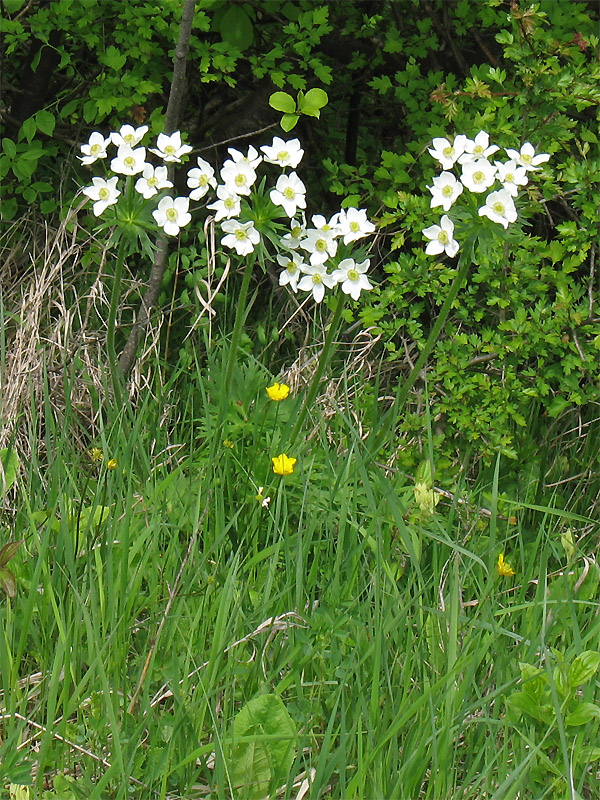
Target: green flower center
x=202 y=180
x=321 y=245
x=316 y=278
x=509 y=178
x=95 y=149
x=353 y=275
x=240 y=180
x=283 y=155
x=104 y=194
x=499 y=208
x=171 y=214
x=129 y=139
x=169 y=150
x=152 y=181
x=296 y=232
x=526 y=158
x=447 y=190
x=289 y=193
x=478 y=150
x=354 y=227
x=448 y=152
x=129 y=161
x=478 y=177
x=229 y=203
x=443 y=237
x=241 y=234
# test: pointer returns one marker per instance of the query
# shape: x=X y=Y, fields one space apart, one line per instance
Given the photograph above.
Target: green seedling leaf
x=584 y=666
x=288 y=121
x=584 y=713
x=266 y=753
x=8 y=473
x=312 y=102
x=282 y=101
x=236 y=28
x=9 y=551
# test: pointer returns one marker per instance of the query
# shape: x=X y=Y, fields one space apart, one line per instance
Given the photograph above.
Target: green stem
x=115 y=369
x=323 y=361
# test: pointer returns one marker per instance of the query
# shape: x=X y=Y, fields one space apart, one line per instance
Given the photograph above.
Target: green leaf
x=8 y=473
x=113 y=58
x=588 y=754
x=282 y=101
x=522 y=702
x=45 y=122
x=9 y=147
x=28 y=129
x=584 y=713
x=312 y=102
x=8 y=583
x=236 y=28
x=288 y=121
x=9 y=551
x=264 y=756
x=584 y=666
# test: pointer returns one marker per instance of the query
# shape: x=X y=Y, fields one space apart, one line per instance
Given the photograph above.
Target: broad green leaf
x=9 y=551
x=264 y=745
x=9 y=147
x=8 y=473
x=45 y=122
x=584 y=666
x=288 y=121
x=27 y=130
x=584 y=713
x=282 y=101
x=522 y=702
x=588 y=754
x=312 y=102
x=236 y=28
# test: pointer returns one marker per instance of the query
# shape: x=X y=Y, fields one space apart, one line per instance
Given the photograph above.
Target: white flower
x=353 y=224
x=94 y=149
x=200 y=179
x=286 y=154
x=290 y=193
x=264 y=501
x=128 y=161
x=238 y=176
x=511 y=176
x=447 y=153
x=169 y=148
x=290 y=275
x=320 y=244
x=478 y=175
x=252 y=158
x=105 y=193
x=321 y=224
x=153 y=179
x=228 y=204
x=442 y=238
x=172 y=215
x=352 y=277
x=315 y=279
x=527 y=157
x=499 y=207
x=129 y=135
x=291 y=240
x=241 y=236
x=445 y=190
x=478 y=148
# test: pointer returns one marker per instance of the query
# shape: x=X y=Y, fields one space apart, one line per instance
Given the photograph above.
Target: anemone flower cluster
x=313 y=258
x=477 y=175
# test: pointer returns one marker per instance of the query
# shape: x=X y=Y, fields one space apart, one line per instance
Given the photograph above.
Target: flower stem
x=115 y=368
x=323 y=362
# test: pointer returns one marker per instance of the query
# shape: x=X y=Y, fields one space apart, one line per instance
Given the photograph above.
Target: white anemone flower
x=238 y=176
x=479 y=175
x=200 y=179
x=172 y=214
x=320 y=244
x=227 y=205
x=152 y=181
x=442 y=238
x=129 y=135
x=170 y=148
x=314 y=280
x=290 y=193
x=499 y=207
x=252 y=157
x=353 y=224
x=511 y=176
x=447 y=154
x=104 y=193
x=352 y=277
x=446 y=188
x=292 y=270
x=293 y=239
x=527 y=158
x=321 y=223
x=477 y=148
x=285 y=154
x=94 y=149
x=241 y=236
x=129 y=161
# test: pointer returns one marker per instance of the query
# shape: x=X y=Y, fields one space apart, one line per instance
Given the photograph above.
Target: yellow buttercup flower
x=504 y=568
x=283 y=465
x=279 y=391
x=95 y=453
x=111 y=463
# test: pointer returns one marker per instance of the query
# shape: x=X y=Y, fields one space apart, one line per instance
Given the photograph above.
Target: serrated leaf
x=584 y=713
x=9 y=551
x=282 y=101
x=236 y=28
x=8 y=473
x=584 y=666
x=288 y=121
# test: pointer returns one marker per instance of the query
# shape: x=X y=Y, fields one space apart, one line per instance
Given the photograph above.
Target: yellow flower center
x=317 y=279
x=447 y=191
x=129 y=161
x=499 y=208
x=152 y=181
x=353 y=275
x=129 y=139
x=296 y=231
x=478 y=150
x=289 y=193
x=478 y=176
x=229 y=203
x=169 y=150
x=443 y=237
x=283 y=155
x=448 y=152
x=509 y=178
x=171 y=214
x=240 y=180
x=104 y=194
x=526 y=158
x=241 y=234
x=95 y=149
x=321 y=245
x=354 y=226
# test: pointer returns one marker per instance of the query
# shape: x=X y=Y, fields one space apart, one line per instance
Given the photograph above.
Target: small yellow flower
x=283 y=465
x=504 y=568
x=112 y=463
x=228 y=443
x=95 y=453
x=279 y=391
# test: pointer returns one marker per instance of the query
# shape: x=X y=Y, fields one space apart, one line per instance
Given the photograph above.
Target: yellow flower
x=279 y=391
x=283 y=465
x=111 y=463
x=503 y=567
x=228 y=443
x=95 y=454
